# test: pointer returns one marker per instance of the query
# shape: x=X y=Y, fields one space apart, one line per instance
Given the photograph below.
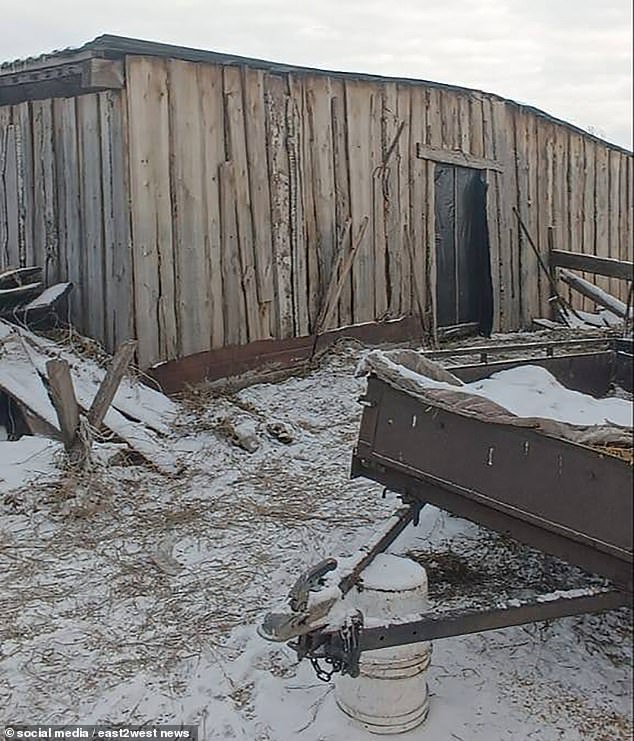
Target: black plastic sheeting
x=463 y=290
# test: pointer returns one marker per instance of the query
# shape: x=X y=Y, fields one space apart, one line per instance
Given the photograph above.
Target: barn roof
x=72 y=71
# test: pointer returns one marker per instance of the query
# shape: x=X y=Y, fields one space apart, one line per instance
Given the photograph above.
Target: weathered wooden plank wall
x=63 y=204
x=205 y=205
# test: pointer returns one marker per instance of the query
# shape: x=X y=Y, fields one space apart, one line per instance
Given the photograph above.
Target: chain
x=348 y=663
x=323 y=674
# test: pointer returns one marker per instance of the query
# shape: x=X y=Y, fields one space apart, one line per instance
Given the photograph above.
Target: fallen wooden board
x=133 y=398
x=12 y=298
x=592 y=264
x=594 y=293
x=49 y=297
x=23 y=368
x=15 y=277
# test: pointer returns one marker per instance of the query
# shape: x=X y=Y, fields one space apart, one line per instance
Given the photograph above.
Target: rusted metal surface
x=623 y=365
x=402 y=520
x=456 y=622
x=476 y=620
x=548 y=345
x=560 y=497
x=212 y=365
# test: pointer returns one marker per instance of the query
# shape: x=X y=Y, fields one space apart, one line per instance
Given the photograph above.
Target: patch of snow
x=48 y=296
x=531 y=391
x=93 y=630
x=386 y=572
x=26 y=459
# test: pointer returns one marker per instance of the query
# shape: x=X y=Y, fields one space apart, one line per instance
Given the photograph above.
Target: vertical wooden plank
x=494 y=180
x=625 y=224
x=68 y=213
x=151 y=210
x=560 y=193
x=545 y=138
x=405 y=157
x=477 y=106
x=418 y=195
x=602 y=214
x=526 y=275
x=294 y=117
x=193 y=308
x=464 y=117
x=319 y=98
x=278 y=165
x=24 y=156
x=213 y=144
x=377 y=217
x=259 y=195
x=628 y=250
x=91 y=202
x=310 y=220
x=6 y=131
x=588 y=208
x=614 y=173
x=533 y=172
x=358 y=108
x=237 y=153
x=118 y=307
x=234 y=309
x=504 y=141
x=45 y=242
x=9 y=235
x=433 y=125
x=575 y=201
x=394 y=255
x=450 y=119
x=575 y=191
x=342 y=186
x=57 y=131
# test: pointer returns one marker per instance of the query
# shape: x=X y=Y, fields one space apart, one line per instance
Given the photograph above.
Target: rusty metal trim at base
x=213 y=365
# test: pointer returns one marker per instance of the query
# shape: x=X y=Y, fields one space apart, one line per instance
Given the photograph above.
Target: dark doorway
x=463 y=287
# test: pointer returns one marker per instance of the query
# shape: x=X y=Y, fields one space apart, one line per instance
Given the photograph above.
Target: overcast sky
x=572 y=58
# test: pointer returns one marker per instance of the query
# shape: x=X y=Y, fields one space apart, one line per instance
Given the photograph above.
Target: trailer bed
x=564 y=498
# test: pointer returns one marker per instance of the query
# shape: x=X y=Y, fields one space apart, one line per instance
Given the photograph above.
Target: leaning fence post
x=110 y=384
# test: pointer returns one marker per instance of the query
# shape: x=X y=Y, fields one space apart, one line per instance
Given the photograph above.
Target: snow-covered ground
x=131 y=596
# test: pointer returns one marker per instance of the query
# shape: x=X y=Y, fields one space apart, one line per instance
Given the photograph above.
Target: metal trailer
x=563 y=498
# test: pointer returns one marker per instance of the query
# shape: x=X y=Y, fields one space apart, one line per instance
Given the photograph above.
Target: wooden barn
x=198 y=200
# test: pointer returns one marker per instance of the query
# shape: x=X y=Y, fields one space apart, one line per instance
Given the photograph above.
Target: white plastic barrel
x=390 y=695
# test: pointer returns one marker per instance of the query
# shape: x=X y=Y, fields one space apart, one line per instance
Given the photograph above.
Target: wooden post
x=64 y=400
x=110 y=384
x=417 y=290
x=65 y=403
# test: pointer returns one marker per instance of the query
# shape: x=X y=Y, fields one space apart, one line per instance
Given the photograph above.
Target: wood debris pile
x=57 y=392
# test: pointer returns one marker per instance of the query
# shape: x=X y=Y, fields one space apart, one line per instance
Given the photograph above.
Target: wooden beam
x=592 y=264
x=454 y=157
x=336 y=287
x=102 y=74
x=64 y=400
x=594 y=293
x=110 y=384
